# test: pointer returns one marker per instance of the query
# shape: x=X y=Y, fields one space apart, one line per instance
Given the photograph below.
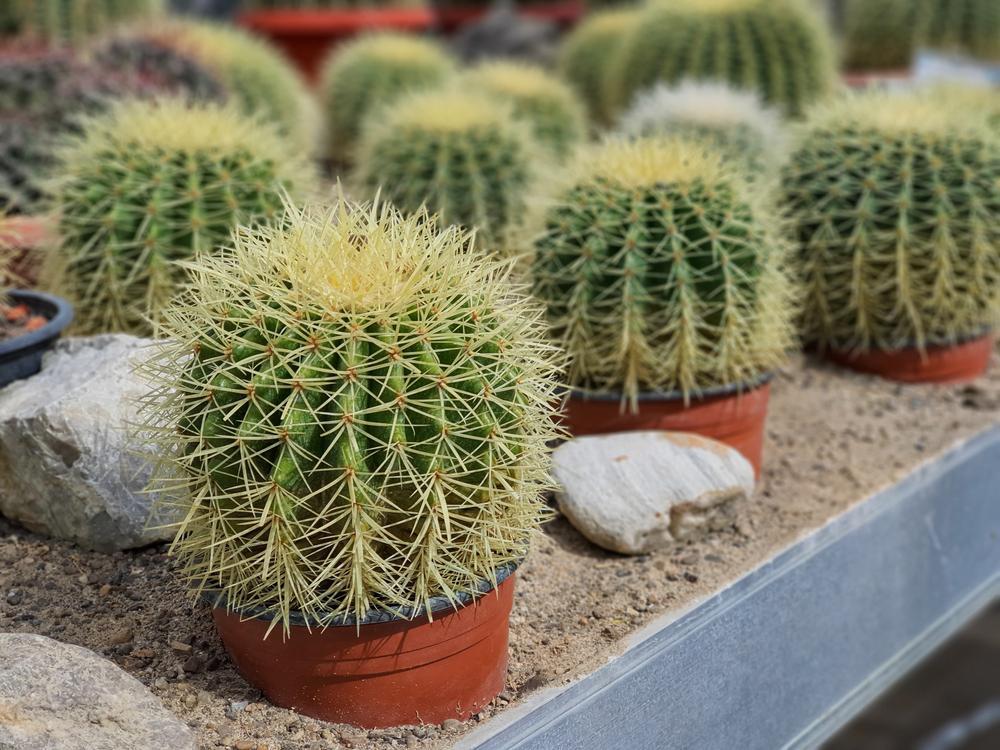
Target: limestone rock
x=632 y=492
x=54 y=696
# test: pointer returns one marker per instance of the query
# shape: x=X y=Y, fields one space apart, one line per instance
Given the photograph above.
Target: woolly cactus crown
x=894 y=201
x=734 y=121
x=543 y=102
x=372 y=71
x=462 y=154
x=149 y=184
x=660 y=272
x=355 y=412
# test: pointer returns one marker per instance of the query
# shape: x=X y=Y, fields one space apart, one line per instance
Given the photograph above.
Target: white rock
x=54 y=696
x=632 y=492
x=67 y=468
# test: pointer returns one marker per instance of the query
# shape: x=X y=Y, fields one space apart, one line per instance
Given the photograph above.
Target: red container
x=307 y=36
x=863 y=79
x=27 y=236
x=731 y=416
x=451 y=18
x=388 y=673
x=958 y=363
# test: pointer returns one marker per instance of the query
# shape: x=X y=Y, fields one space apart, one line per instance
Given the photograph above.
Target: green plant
x=585 y=54
x=149 y=184
x=779 y=48
x=880 y=34
x=72 y=20
x=462 y=154
x=546 y=104
x=325 y=4
x=894 y=203
x=733 y=121
x=355 y=414
x=659 y=272
x=372 y=71
x=968 y=26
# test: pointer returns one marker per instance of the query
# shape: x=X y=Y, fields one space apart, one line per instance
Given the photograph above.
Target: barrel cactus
x=733 y=121
x=354 y=414
x=661 y=271
x=880 y=34
x=73 y=21
x=967 y=26
x=372 y=71
x=894 y=203
x=547 y=105
x=149 y=184
x=779 y=48
x=462 y=154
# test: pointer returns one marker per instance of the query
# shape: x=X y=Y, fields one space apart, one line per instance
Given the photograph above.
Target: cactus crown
x=968 y=26
x=379 y=403
x=546 y=104
x=659 y=272
x=148 y=184
x=372 y=71
x=894 y=203
x=734 y=121
x=462 y=154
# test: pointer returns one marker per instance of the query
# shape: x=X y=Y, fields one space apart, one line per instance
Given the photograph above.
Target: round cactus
x=660 y=272
x=776 y=47
x=461 y=154
x=585 y=54
x=880 y=34
x=733 y=121
x=372 y=71
x=146 y=185
x=895 y=206
x=966 y=26
x=355 y=414
x=72 y=21
x=547 y=105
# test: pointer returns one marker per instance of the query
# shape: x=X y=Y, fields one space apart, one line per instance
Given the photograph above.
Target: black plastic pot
x=21 y=357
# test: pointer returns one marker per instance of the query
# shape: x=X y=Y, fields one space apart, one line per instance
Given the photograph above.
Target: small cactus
x=966 y=26
x=370 y=72
x=733 y=121
x=461 y=154
x=779 y=48
x=72 y=21
x=880 y=34
x=547 y=105
x=894 y=204
x=149 y=184
x=660 y=272
x=354 y=414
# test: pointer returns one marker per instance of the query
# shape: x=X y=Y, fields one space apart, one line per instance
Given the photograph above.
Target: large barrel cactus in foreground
x=660 y=272
x=355 y=412
x=148 y=184
x=895 y=205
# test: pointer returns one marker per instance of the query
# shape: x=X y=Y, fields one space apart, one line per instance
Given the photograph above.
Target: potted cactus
x=354 y=412
x=894 y=207
x=150 y=183
x=72 y=21
x=880 y=38
x=452 y=15
x=662 y=275
x=970 y=27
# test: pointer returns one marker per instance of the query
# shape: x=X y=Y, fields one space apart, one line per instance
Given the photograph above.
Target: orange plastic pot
x=307 y=36
x=732 y=415
x=958 y=363
x=27 y=236
x=388 y=672
x=863 y=79
x=451 y=18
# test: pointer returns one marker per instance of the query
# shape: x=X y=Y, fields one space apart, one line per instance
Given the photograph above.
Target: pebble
x=123 y=635
x=143 y=653
x=194 y=663
x=451 y=725
x=179 y=647
x=244 y=745
x=411 y=740
x=354 y=740
x=14 y=597
x=236 y=707
x=104 y=590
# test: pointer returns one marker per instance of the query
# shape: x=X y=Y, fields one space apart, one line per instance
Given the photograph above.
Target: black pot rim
x=51 y=330
x=743 y=386
x=214 y=598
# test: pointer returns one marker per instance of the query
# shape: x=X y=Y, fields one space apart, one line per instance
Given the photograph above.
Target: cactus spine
x=659 y=272
x=894 y=203
x=355 y=412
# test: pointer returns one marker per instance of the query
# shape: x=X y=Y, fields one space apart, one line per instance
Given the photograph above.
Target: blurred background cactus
x=970 y=27
x=72 y=21
x=372 y=71
x=381 y=397
x=880 y=34
x=660 y=272
x=149 y=184
x=894 y=202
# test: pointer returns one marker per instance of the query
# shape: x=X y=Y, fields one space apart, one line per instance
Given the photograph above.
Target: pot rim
x=51 y=330
x=982 y=333
x=743 y=386
x=440 y=603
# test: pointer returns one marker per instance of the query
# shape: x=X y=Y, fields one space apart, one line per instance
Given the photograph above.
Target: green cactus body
x=880 y=34
x=778 y=48
x=966 y=26
x=894 y=208
x=547 y=105
x=585 y=55
x=461 y=154
x=660 y=273
x=370 y=72
x=147 y=185
x=363 y=422
x=74 y=21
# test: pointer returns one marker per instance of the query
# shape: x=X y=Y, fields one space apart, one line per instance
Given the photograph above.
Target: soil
x=833 y=438
x=17 y=320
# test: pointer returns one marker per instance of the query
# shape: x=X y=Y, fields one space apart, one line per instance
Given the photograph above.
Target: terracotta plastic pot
x=27 y=235
x=863 y=79
x=451 y=18
x=307 y=36
x=733 y=415
x=391 y=671
x=958 y=363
